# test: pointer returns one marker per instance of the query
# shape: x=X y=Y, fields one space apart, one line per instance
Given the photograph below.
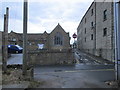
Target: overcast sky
x=44 y=15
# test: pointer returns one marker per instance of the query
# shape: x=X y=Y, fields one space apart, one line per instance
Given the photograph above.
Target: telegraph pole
x=117 y=38
x=5 y=40
x=25 y=7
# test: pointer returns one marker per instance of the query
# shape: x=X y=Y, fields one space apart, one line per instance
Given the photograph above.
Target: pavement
x=15 y=59
x=91 y=59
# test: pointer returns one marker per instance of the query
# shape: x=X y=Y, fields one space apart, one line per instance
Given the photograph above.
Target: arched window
x=58 y=39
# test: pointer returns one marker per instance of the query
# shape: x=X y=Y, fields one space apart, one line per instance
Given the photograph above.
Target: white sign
x=40 y=46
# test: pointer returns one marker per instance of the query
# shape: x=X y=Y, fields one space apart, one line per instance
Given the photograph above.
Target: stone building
x=55 y=47
x=15 y=38
x=0 y=40
x=0 y=46
x=96 y=30
x=57 y=39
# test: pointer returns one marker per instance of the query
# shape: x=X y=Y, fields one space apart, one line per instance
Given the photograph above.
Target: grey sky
x=44 y=15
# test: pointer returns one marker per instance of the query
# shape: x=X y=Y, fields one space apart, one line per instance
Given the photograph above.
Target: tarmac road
x=70 y=77
x=86 y=73
x=79 y=75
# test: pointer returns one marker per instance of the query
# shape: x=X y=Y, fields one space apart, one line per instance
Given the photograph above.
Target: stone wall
x=50 y=57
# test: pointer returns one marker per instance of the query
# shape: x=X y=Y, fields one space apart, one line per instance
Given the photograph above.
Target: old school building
x=96 y=30
x=57 y=39
x=46 y=48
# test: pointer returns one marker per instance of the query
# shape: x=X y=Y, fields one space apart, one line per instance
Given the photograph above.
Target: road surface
x=88 y=74
x=70 y=77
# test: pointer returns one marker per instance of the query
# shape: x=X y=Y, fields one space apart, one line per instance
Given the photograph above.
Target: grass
x=35 y=84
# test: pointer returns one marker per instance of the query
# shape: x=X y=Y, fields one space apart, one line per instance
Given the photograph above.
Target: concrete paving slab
x=15 y=59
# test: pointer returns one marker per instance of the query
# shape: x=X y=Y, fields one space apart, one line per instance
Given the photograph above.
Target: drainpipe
x=117 y=38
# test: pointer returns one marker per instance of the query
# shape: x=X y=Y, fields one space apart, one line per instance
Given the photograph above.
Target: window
x=85 y=39
x=104 y=31
x=91 y=36
x=91 y=12
x=92 y=24
x=58 y=39
x=14 y=47
x=14 y=39
x=105 y=15
x=85 y=30
x=85 y=20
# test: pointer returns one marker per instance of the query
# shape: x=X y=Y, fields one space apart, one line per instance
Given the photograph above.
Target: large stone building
x=0 y=46
x=96 y=30
x=57 y=39
x=0 y=40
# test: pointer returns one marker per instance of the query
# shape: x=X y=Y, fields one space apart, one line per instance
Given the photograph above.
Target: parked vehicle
x=14 y=49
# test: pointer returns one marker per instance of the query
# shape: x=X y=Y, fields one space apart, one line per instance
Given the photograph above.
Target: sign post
x=74 y=36
x=117 y=38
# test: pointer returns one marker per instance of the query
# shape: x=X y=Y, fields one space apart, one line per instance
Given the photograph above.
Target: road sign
x=74 y=35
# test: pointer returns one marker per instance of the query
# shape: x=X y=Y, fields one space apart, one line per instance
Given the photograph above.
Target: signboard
x=40 y=46
x=74 y=35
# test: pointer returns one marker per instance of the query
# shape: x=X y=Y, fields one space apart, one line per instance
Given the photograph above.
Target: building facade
x=0 y=43
x=45 y=48
x=57 y=39
x=96 y=30
x=0 y=40
x=0 y=46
